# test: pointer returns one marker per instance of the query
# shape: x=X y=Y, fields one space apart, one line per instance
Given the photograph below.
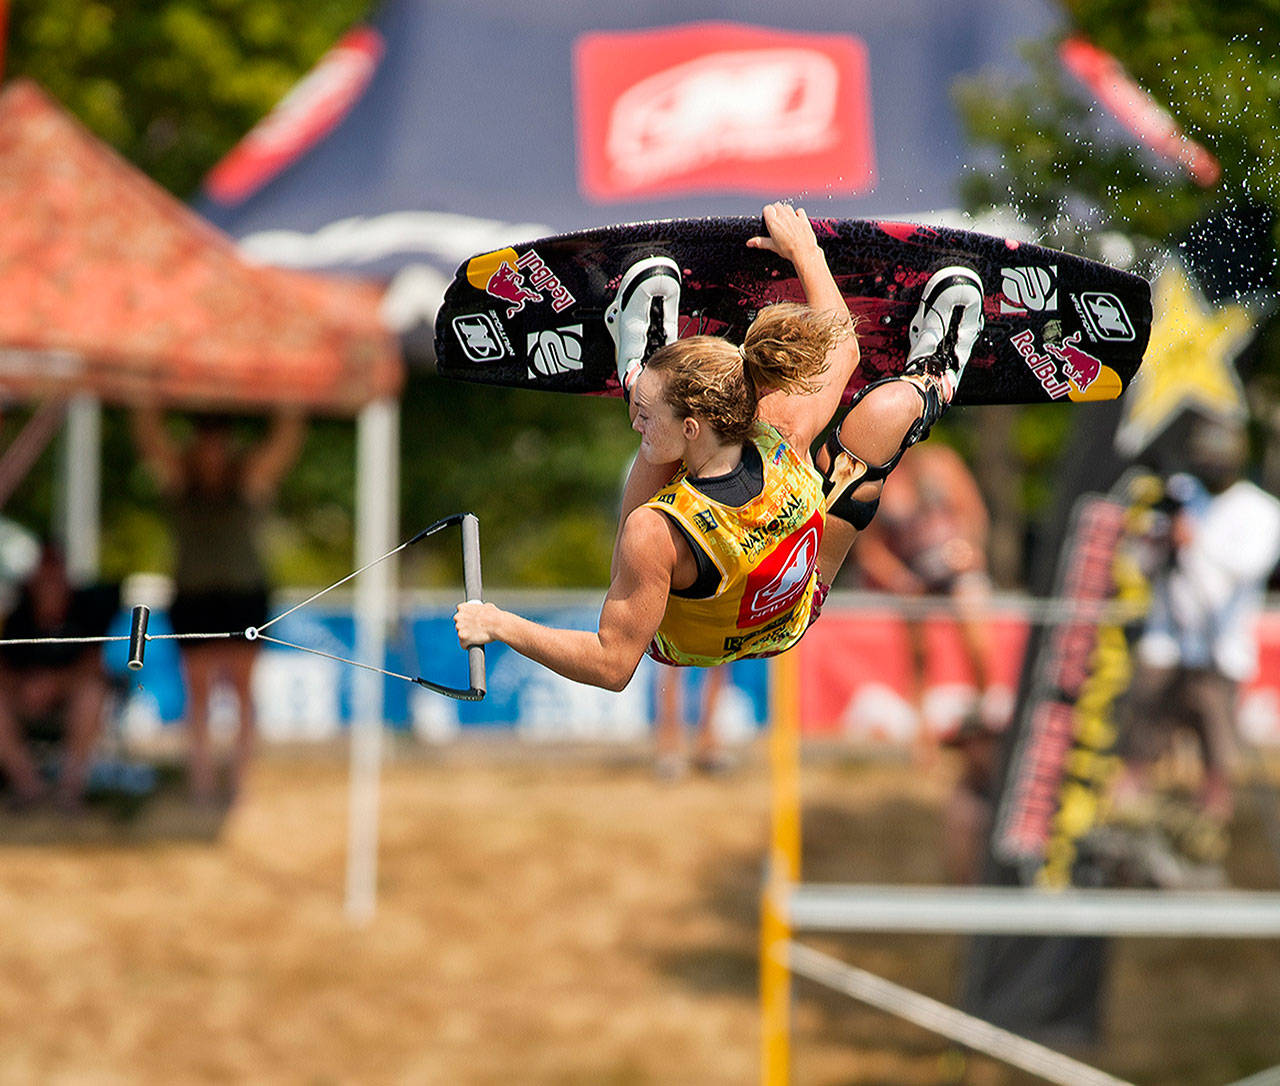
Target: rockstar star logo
x=1189 y=361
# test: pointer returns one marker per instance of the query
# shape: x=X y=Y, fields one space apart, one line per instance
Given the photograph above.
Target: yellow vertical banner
x=783 y=868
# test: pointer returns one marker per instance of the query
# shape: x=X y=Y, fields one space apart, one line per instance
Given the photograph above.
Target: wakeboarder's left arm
x=802 y=417
x=632 y=611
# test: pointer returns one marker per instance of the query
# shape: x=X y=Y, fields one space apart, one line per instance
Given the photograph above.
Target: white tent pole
x=377 y=513
x=82 y=488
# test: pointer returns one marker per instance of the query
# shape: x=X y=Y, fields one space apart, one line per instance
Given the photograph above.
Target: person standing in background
x=929 y=540
x=54 y=688
x=1200 y=639
x=708 y=753
x=217 y=494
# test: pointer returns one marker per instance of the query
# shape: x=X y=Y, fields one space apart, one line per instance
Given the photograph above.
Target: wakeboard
x=1058 y=327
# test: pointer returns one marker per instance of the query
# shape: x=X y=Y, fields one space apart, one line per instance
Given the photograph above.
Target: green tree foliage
x=1214 y=67
x=172 y=84
x=543 y=471
x=1077 y=179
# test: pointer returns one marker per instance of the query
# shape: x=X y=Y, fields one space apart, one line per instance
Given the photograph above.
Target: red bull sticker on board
x=1067 y=370
x=518 y=278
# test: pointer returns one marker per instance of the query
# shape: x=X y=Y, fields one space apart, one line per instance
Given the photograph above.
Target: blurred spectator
x=1200 y=640
x=51 y=691
x=929 y=538
x=708 y=754
x=217 y=493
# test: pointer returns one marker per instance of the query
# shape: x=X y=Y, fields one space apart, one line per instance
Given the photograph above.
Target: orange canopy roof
x=112 y=286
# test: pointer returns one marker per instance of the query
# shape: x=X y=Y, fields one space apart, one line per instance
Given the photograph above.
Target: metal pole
x=377 y=492
x=82 y=488
x=783 y=869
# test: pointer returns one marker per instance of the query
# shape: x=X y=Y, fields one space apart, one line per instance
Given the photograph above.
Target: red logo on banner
x=722 y=107
x=777 y=582
x=301 y=119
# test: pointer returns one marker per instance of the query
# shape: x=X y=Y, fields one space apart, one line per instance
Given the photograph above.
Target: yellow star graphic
x=1188 y=361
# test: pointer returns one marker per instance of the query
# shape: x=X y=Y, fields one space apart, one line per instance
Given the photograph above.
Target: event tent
x=115 y=288
x=117 y=292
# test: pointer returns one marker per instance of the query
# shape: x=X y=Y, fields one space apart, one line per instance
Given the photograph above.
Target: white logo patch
x=791 y=579
x=1104 y=316
x=1034 y=289
x=749 y=104
x=479 y=337
x=555 y=352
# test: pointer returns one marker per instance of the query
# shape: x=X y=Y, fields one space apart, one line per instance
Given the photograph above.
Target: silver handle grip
x=472 y=583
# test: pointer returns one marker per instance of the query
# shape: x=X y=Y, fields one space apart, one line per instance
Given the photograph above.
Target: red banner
x=720 y=107
x=856 y=676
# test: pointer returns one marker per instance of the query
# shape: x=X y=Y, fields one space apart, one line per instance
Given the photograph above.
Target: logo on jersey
x=480 y=337
x=1029 y=290
x=705 y=521
x=555 y=351
x=1104 y=316
x=780 y=580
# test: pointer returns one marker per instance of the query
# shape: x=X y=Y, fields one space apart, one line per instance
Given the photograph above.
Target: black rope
x=256 y=634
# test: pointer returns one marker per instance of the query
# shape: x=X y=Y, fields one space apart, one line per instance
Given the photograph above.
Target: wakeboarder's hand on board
x=790 y=233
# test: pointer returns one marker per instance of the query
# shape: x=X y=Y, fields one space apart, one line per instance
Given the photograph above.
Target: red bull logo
x=1042 y=365
x=1079 y=367
x=507 y=284
x=542 y=278
x=518 y=279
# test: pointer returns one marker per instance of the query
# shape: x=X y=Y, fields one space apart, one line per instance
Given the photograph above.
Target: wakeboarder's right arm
x=644 y=480
x=633 y=609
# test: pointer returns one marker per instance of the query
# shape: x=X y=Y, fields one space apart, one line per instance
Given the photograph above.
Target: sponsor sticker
x=1103 y=316
x=1079 y=367
x=1029 y=289
x=554 y=351
x=1044 y=366
x=1062 y=366
x=518 y=279
x=481 y=337
x=780 y=580
x=705 y=521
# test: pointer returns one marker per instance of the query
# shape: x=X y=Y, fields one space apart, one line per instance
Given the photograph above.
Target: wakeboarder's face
x=663 y=436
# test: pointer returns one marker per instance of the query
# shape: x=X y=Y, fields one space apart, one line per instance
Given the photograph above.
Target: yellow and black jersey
x=763 y=557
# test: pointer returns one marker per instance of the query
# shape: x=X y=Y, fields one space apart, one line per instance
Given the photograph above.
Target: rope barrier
x=962 y=1028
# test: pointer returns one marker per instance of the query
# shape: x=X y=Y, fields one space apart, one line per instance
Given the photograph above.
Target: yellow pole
x=783 y=869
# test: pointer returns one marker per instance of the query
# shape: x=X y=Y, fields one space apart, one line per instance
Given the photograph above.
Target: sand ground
x=562 y=920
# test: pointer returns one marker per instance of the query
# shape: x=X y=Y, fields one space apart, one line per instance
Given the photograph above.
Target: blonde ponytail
x=787 y=344
x=785 y=349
